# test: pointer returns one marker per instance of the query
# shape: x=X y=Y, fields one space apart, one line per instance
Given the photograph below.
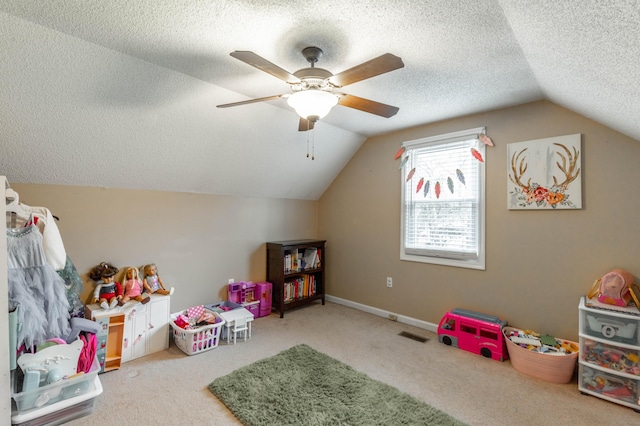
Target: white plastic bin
x=196 y=340
x=60 y=412
x=50 y=394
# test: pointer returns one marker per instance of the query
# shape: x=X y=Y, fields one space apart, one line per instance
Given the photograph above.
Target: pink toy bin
x=548 y=367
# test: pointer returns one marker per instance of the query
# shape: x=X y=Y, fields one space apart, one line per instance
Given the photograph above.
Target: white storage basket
x=197 y=340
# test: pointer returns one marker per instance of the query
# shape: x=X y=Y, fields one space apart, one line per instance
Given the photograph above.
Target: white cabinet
x=134 y=342
x=146 y=327
x=609 y=365
x=158 y=329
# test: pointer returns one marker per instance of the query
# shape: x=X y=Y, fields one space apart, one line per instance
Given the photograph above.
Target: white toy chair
x=240 y=325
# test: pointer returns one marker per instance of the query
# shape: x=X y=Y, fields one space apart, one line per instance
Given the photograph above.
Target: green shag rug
x=301 y=386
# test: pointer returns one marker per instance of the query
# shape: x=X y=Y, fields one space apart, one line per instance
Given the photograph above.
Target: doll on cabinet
x=108 y=291
x=152 y=282
x=133 y=287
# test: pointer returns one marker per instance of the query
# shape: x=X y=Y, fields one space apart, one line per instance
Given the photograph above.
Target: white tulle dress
x=36 y=288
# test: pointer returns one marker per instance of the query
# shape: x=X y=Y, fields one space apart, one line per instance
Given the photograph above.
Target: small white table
x=231 y=316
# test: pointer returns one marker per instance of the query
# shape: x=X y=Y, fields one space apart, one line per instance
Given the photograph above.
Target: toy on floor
x=108 y=291
x=474 y=332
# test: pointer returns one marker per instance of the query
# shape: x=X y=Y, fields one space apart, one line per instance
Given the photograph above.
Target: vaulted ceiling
x=123 y=93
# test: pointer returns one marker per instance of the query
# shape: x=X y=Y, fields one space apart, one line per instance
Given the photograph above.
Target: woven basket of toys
x=543 y=357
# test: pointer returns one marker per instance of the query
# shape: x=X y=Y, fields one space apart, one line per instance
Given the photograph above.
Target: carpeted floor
x=303 y=386
x=170 y=388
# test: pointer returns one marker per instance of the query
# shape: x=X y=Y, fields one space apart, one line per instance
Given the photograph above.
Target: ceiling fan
x=315 y=89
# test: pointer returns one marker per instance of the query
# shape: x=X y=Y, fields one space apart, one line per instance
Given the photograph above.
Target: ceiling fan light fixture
x=312 y=104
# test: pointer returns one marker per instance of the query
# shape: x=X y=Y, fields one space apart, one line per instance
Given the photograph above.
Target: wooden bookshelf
x=296 y=282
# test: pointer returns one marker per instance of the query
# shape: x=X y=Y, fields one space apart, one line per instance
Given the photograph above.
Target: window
x=488 y=334
x=443 y=200
x=468 y=328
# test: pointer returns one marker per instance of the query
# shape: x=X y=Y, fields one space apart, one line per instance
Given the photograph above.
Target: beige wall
x=197 y=241
x=539 y=263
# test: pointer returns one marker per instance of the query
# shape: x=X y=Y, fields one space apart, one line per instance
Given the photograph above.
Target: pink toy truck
x=474 y=332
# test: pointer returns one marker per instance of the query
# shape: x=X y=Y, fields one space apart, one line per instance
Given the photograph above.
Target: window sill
x=469 y=264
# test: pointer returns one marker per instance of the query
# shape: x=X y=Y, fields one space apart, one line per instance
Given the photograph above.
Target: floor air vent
x=413 y=337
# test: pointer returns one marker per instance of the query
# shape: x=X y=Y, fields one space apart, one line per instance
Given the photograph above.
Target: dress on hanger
x=52 y=244
x=36 y=288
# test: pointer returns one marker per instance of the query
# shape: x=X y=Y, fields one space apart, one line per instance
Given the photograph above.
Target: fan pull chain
x=313 y=143
x=311 y=130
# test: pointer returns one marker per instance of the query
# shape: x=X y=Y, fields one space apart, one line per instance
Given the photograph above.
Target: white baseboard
x=384 y=314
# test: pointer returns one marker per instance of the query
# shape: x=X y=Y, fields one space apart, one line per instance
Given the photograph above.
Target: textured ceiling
x=123 y=93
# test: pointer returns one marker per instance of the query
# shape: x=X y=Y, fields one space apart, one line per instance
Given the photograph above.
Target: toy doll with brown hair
x=108 y=291
x=152 y=282
x=133 y=287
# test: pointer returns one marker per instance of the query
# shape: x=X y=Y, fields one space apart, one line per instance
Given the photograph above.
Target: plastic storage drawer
x=609 y=326
x=619 y=359
x=618 y=388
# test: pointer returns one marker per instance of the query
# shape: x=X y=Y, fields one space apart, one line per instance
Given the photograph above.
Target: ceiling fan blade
x=305 y=125
x=372 y=68
x=264 y=65
x=251 y=101
x=367 y=105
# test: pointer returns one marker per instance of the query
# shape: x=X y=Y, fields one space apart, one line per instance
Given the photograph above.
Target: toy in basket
x=542 y=357
x=196 y=330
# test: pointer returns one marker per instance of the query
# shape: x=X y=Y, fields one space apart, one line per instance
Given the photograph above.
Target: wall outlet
x=231 y=281
x=389 y=282
x=393 y=317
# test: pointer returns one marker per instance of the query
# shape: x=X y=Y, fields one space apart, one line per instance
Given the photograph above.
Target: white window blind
x=443 y=201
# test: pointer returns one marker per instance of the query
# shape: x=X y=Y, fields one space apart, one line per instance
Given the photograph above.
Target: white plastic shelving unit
x=609 y=366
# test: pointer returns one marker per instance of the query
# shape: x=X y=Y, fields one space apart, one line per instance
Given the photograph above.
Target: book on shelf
x=310 y=258
x=287 y=263
x=293 y=261
x=300 y=288
x=297 y=261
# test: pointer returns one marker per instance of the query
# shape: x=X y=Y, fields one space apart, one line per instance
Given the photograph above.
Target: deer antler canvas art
x=545 y=174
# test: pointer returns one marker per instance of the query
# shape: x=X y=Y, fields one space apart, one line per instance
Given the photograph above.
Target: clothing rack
x=10 y=197
x=5 y=382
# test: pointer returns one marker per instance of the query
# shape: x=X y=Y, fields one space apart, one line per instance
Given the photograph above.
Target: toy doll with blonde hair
x=133 y=287
x=152 y=282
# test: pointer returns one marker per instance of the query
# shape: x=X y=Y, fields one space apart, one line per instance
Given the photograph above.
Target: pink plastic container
x=262 y=292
